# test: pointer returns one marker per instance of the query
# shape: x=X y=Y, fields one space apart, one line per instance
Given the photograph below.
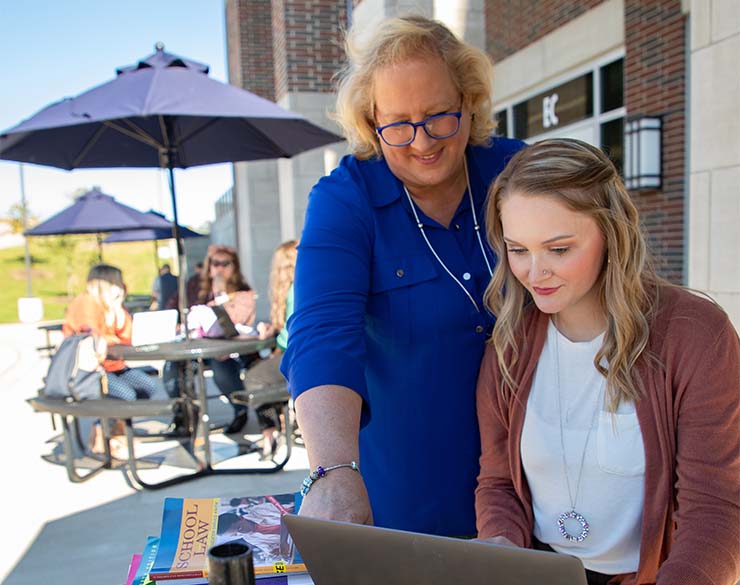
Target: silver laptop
x=339 y=553
x=152 y=327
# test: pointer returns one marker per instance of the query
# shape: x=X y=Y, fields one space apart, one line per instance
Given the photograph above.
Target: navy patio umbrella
x=96 y=213
x=146 y=234
x=162 y=112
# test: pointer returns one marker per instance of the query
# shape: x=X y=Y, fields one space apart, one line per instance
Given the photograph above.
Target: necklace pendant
x=573 y=515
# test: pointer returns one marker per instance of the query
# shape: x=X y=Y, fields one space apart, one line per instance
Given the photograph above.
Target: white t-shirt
x=611 y=490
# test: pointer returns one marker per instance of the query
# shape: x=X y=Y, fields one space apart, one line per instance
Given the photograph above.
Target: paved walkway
x=57 y=532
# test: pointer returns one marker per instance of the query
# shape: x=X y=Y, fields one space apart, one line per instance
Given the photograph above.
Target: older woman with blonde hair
x=389 y=324
x=608 y=399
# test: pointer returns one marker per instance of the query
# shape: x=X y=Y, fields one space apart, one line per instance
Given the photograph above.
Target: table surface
x=203 y=347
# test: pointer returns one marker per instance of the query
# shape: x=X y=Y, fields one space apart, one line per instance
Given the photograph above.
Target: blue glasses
x=438 y=127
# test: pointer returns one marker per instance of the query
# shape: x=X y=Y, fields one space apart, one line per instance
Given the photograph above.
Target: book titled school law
x=191 y=526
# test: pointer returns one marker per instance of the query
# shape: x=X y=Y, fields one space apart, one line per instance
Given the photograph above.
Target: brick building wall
x=280 y=46
x=250 y=46
x=654 y=85
x=511 y=25
x=309 y=51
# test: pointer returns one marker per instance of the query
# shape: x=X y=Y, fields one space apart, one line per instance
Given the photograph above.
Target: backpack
x=75 y=372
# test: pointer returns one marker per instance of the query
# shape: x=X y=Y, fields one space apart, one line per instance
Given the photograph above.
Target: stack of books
x=191 y=526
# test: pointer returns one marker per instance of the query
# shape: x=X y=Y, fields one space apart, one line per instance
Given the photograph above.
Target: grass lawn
x=59 y=269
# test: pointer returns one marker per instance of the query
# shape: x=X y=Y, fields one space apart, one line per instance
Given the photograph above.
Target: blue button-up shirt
x=376 y=312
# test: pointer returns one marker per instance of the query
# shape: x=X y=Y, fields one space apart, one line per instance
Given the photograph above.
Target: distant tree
x=64 y=247
x=14 y=219
x=79 y=192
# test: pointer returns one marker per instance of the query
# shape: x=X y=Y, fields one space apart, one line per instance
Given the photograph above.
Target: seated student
x=608 y=399
x=100 y=310
x=222 y=283
x=282 y=274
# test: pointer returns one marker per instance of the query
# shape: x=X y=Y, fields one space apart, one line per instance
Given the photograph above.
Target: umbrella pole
x=99 y=239
x=181 y=300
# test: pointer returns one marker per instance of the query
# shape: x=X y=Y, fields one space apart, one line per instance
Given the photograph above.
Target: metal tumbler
x=230 y=564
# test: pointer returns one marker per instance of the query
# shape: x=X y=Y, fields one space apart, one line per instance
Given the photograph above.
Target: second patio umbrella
x=162 y=112
x=153 y=234
x=97 y=213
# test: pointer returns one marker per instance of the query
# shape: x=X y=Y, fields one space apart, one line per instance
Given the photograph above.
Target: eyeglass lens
x=220 y=263
x=438 y=127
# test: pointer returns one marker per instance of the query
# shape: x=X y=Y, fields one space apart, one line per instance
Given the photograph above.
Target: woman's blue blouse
x=376 y=312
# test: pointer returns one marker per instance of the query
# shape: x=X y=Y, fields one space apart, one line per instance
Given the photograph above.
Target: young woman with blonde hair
x=100 y=310
x=282 y=275
x=608 y=399
x=267 y=371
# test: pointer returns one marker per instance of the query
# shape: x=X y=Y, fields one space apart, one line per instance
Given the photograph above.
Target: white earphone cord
x=476 y=227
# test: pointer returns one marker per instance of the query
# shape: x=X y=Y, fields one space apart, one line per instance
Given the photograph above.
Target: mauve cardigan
x=690 y=422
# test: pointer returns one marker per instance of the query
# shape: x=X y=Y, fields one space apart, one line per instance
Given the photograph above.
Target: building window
x=560 y=106
x=589 y=107
x=501 y=124
x=612 y=86
x=612 y=141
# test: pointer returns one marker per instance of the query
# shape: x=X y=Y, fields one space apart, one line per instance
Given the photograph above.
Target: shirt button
x=399 y=273
x=466 y=276
x=457 y=227
x=479 y=329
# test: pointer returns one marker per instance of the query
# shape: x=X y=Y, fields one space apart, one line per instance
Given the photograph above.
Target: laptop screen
x=354 y=554
x=151 y=327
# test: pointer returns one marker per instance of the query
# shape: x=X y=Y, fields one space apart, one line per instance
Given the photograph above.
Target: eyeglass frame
x=423 y=123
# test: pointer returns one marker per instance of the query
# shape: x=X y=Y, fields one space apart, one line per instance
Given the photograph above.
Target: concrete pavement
x=57 y=532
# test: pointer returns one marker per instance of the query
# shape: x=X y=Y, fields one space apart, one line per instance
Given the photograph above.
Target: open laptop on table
x=152 y=327
x=339 y=553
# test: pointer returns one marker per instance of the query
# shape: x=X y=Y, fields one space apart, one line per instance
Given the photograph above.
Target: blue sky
x=50 y=49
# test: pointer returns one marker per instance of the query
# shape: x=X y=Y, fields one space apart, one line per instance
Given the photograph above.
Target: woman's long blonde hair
x=584 y=179
x=282 y=274
x=100 y=280
x=401 y=39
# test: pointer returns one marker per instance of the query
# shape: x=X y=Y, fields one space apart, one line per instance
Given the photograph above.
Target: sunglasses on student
x=221 y=263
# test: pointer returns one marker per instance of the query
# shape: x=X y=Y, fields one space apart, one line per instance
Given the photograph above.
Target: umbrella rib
x=140 y=131
x=88 y=145
x=163 y=130
x=145 y=138
x=197 y=131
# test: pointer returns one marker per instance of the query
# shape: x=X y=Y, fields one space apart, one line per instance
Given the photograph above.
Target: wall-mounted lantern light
x=642 y=153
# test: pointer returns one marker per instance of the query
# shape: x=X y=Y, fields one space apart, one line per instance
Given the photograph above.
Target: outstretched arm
x=329 y=418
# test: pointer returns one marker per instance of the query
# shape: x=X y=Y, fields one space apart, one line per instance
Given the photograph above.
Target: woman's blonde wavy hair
x=584 y=179
x=282 y=274
x=401 y=39
x=100 y=280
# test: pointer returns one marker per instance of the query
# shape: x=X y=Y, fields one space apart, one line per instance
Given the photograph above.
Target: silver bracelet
x=320 y=472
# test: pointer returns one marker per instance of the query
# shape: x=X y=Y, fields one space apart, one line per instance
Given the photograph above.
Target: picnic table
x=194 y=394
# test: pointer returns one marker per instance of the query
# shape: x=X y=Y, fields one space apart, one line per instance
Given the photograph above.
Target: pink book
x=132 y=568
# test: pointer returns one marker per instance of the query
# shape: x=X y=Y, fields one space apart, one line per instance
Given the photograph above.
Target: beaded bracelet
x=321 y=472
